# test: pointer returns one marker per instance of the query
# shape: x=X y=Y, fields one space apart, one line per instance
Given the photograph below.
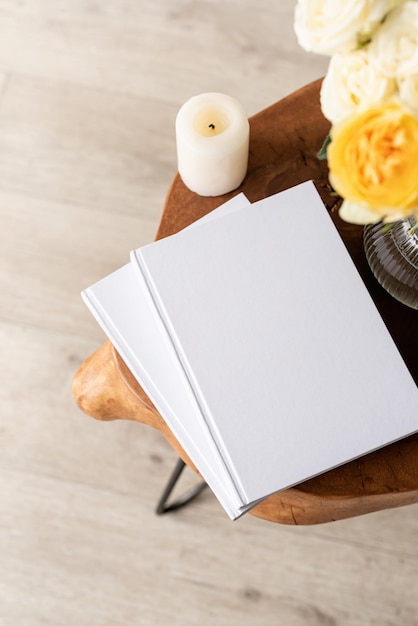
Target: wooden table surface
x=285 y=139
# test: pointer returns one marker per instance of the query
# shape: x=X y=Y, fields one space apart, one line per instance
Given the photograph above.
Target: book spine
x=141 y=267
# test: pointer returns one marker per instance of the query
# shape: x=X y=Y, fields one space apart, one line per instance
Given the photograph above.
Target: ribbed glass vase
x=392 y=253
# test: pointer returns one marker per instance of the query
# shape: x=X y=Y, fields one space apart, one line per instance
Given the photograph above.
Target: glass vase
x=392 y=253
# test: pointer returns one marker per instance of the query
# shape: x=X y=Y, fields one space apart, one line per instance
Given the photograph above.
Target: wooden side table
x=285 y=139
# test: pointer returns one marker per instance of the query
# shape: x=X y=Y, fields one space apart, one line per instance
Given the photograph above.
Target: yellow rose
x=373 y=160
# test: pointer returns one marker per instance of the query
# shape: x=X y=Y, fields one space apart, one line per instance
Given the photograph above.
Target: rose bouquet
x=370 y=96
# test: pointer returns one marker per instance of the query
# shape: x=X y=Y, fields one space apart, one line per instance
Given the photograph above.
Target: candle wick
x=212 y=126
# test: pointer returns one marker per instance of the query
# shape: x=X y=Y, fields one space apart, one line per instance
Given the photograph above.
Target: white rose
x=351 y=82
x=408 y=92
x=358 y=213
x=328 y=27
x=394 y=48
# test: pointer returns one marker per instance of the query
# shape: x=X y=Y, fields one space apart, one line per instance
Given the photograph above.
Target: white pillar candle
x=212 y=134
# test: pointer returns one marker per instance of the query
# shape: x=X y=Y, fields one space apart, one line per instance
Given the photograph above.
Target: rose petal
x=357 y=213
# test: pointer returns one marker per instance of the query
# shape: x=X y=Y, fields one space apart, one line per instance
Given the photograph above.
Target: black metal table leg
x=162 y=506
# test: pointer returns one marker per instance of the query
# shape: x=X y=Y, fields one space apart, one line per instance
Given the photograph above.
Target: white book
x=123 y=311
x=269 y=323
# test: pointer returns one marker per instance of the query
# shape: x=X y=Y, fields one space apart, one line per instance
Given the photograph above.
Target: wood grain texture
x=80 y=185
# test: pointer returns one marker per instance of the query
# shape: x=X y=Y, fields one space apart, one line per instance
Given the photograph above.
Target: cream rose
x=352 y=82
x=394 y=48
x=358 y=213
x=408 y=92
x=329 y=27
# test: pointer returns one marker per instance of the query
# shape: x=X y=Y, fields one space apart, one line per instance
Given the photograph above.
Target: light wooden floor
x=89 y=90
